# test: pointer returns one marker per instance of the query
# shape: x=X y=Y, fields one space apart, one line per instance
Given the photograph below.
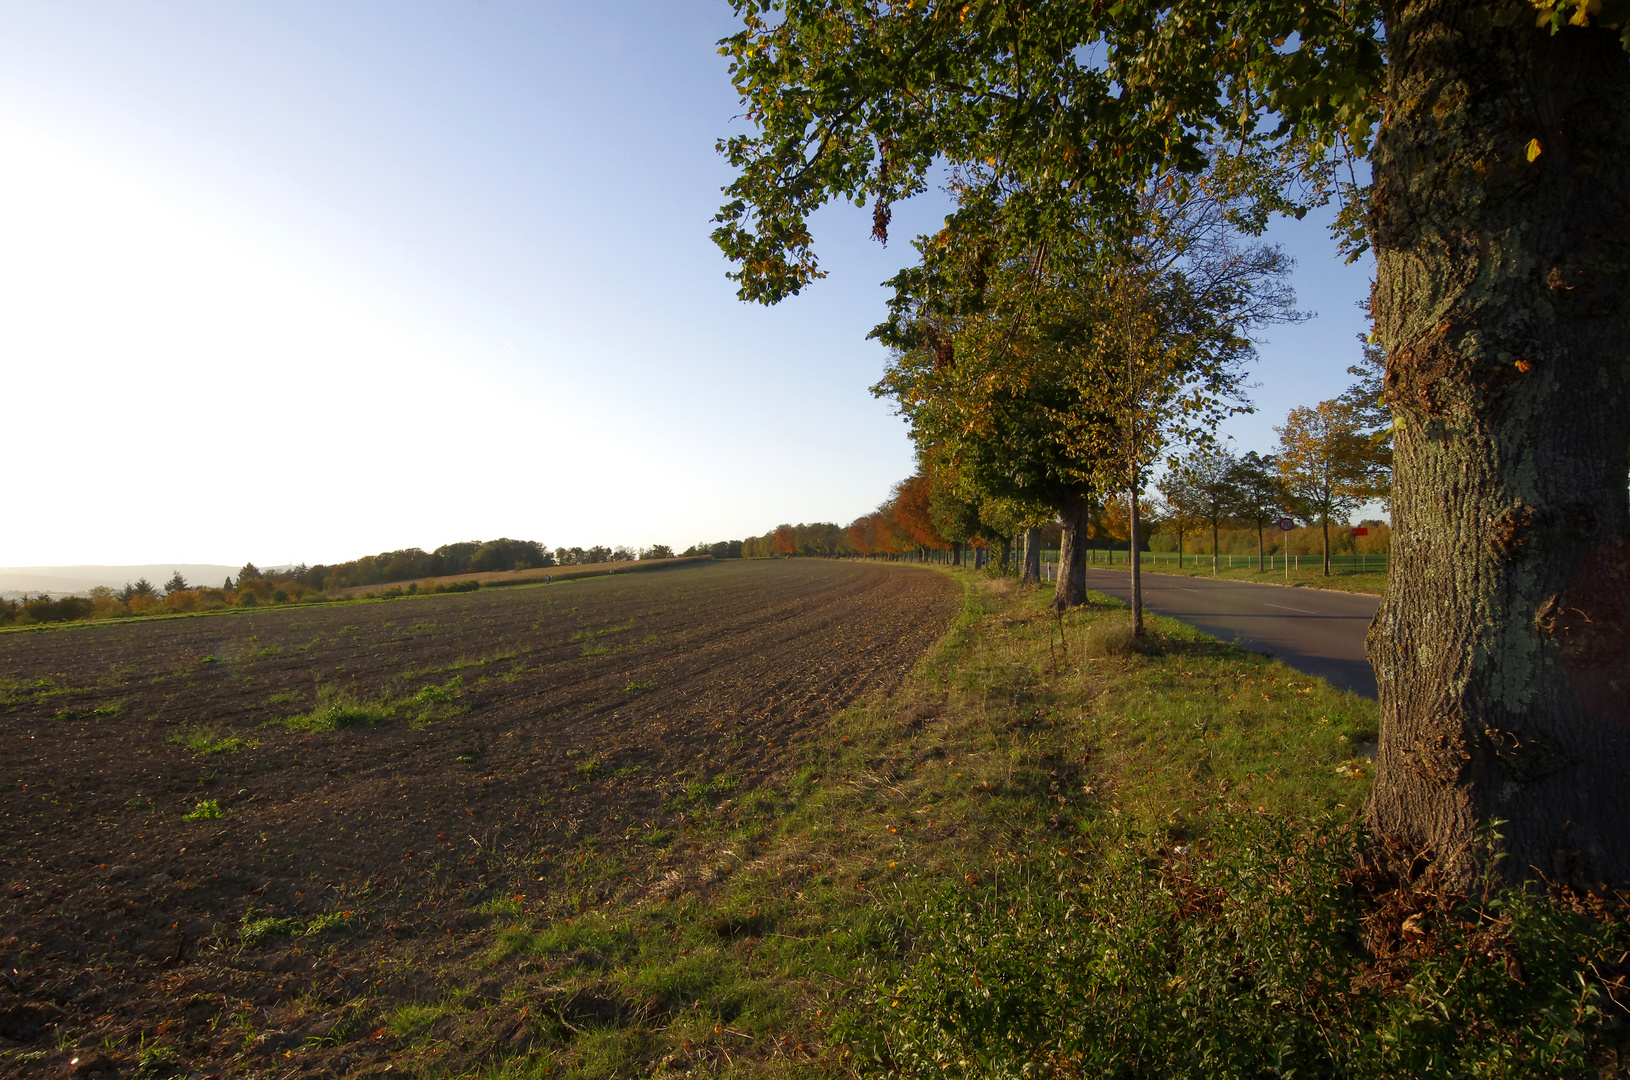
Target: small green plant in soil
x=257 y=931
x=206 y=810
x=207 y=742
x=338 y=708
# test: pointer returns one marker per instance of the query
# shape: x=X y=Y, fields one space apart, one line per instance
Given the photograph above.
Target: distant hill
x=62 y=580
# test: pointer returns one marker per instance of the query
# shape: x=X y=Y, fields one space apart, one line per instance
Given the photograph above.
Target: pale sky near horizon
x=302 y=282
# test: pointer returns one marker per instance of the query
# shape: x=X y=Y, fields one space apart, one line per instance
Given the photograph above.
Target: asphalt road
x=1321 y=633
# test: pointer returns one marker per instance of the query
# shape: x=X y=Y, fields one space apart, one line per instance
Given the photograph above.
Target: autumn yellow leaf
x=1534 y=149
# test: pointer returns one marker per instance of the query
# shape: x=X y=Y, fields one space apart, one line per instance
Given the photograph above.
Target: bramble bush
x=1266 y=955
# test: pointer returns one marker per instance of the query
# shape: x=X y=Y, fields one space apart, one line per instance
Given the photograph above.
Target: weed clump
x=255 y=931
x=1113 y=637
x=207 y=742
x=206 y=810
x=339 y=708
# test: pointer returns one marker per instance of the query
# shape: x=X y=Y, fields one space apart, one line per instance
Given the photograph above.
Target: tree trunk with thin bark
x=1137 y=570
x=1032 y=557
x=1326 y=522
x=1071 y=590
x=1501 y=224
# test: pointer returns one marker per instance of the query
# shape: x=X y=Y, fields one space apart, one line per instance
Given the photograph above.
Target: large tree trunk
x=1071 y=590
x=1032 y=557
x=1501 y=224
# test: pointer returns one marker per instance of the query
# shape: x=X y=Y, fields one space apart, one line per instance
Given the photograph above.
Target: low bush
x=1266 y=954
x=45 y=610
x=454 y=586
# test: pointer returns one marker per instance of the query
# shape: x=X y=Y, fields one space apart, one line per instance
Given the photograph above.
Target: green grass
x=207 y=742
x=257 y=931
x=15 y=691
x=338 y=708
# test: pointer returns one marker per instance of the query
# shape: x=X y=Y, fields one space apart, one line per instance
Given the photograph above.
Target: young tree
x=1261 y=496
x=1183 y=504
x=1328 y=465
x=1210 y=478
x=177 y=583
x=1500 y=219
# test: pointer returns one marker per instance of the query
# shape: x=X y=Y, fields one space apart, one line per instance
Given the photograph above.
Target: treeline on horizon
x=929 y=517
x=253 y=587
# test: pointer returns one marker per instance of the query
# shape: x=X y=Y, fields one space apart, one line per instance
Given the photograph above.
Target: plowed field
x=381 y=771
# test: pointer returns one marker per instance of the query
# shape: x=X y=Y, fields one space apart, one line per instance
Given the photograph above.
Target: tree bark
x=1326 y=523
x=1261 y=551
x=1137 y=569
x=1213 y=545
x=1071 y=590
x=956 y=553
x=1031 y=574
x=1501 y=225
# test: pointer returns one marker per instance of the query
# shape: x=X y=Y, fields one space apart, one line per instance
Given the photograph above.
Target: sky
x=306 y=281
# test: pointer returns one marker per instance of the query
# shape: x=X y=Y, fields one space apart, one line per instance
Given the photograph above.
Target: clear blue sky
x=300 y=282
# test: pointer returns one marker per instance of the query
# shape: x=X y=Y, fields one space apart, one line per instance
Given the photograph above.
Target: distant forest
x=253 y=587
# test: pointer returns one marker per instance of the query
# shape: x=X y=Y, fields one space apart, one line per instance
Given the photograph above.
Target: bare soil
x=522 y=728
x=540 y=573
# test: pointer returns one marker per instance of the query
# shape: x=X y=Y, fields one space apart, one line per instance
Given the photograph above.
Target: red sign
x=1286 y=524
x=1361 y=531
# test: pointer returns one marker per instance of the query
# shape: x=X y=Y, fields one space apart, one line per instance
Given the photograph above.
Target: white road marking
x=1282 y=607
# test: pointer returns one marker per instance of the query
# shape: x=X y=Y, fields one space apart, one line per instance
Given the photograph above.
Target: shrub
x=43 y=609
x=1245 y=961
x=247 y=600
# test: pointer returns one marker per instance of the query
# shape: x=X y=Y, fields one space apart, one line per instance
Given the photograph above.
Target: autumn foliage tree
x=1328 y=465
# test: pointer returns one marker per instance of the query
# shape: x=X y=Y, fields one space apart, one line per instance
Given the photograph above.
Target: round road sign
x=1286 y=524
